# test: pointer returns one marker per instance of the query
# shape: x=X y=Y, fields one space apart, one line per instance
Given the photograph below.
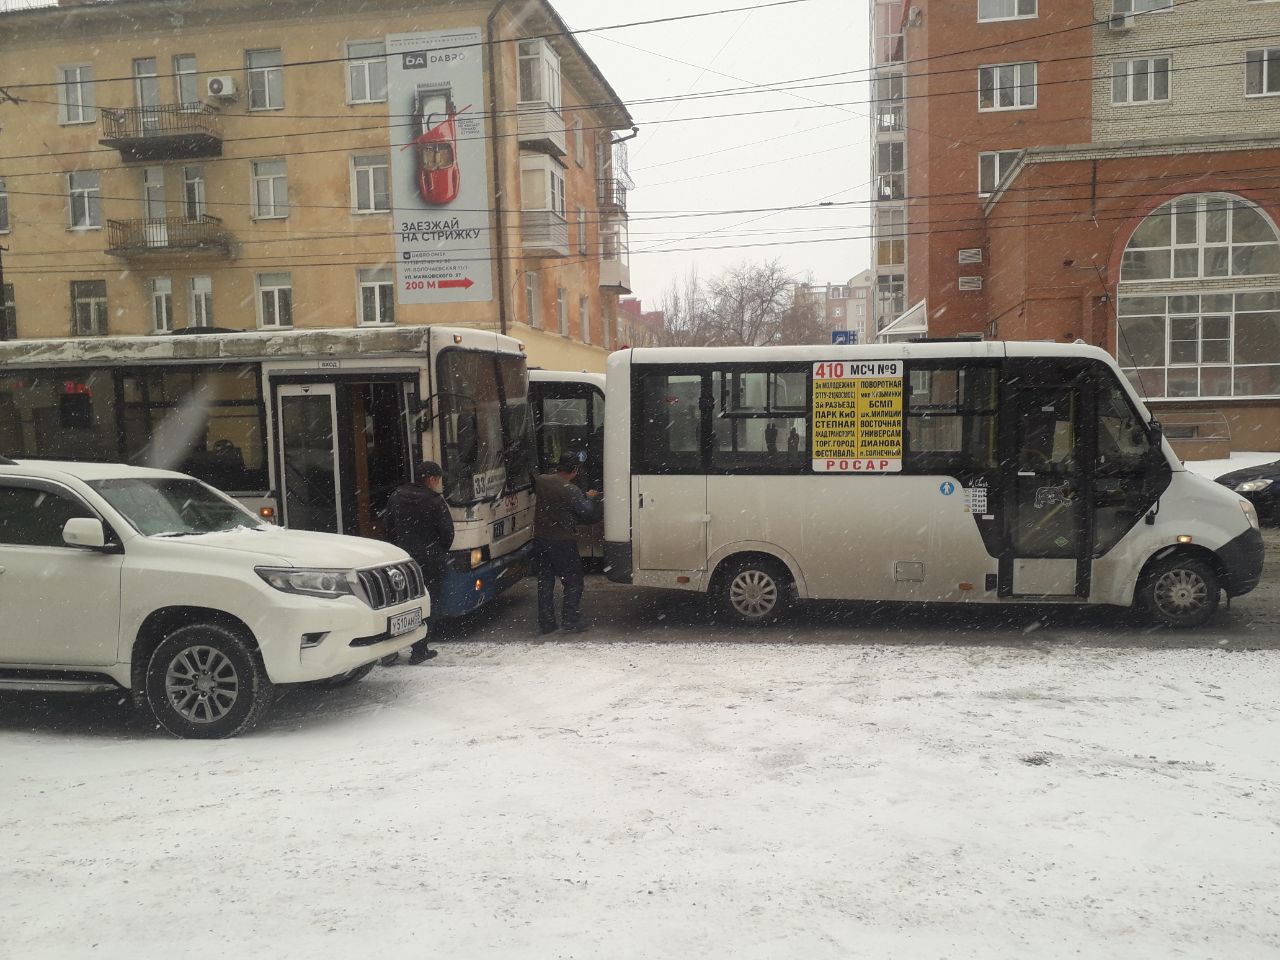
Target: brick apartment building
x=170 y=165
x=1105 y=171
x=638 y=327
x=844 y=306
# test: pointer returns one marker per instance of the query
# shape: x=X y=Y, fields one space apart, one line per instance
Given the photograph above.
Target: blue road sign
x=844 y=337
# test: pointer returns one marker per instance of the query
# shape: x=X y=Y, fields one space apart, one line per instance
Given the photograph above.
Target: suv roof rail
x=6 y=462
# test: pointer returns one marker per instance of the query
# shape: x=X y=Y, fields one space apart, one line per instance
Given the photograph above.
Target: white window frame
x=194 y=199
x=271 y=289
x=1016 y=4
x=85 y=110
x=1141 y=6
x=266 y=74
x=277 y=184
x=89 y=197
x=584 y=317
x=532 y=297
x=1019 y=85
x=96 y=308
x=582 y=232
x=4 y=207
x=200 y=302
x=146 y=86
x=366 y=67
x=1002 y=160
x=180 y=75
x=381 y=282
x=8 y=312
x=553 y=185
x=538 y=63
x=1270 y=78
x=1150 y=63
x=579 y=143
x=161 y=304
x=562 y=312
x=365 y=167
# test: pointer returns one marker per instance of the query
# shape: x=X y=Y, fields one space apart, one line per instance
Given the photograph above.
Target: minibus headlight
x=1252 y=486
x=309 y=582
x=477 y=557
x=1250 y=514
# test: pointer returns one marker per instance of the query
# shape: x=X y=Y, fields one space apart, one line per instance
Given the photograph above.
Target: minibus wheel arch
x=769 y=571
x=1168 y=557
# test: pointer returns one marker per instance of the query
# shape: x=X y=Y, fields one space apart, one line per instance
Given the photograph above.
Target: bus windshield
x=486 y=442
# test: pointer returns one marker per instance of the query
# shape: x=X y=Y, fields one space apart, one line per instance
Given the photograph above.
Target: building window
x=859 y=309
x=1009 y=86
x=584 y=318
x=8 y=313
x=992 y=167
x=891 y=297
x=193 y=196
x=541 y=185
x=891 y=237
x=367 y=72
x=1140 y=81
x=187 y=80
x=88 y=308
x=889 y=103
x=582 y=231
x=270 y=190
x=1006 y=9
x=75 y=94
x=1262 y=72
x=1202 y=236
x=371 y=184
x=891 y=179
x=531 y=296
x=275 y=300
x=86 y=200
x=377 y=296
x=562 y=312
x=539 y=73
x=201 y=313
x=4 y=207
x=161 y=304
x=146 y=84
x=266 y=79
x=579 y=143
x=838 y=293
x=1141 y=6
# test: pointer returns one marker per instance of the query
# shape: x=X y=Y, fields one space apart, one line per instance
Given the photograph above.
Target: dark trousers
x=435 y=590
x=558 y=559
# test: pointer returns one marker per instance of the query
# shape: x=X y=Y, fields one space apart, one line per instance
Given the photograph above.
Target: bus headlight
x=1252 y=486
x=309 y=582
x=1250 y=513
x=477 y=557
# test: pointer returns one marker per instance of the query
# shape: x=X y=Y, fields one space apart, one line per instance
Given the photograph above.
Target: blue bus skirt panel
x=468 y=590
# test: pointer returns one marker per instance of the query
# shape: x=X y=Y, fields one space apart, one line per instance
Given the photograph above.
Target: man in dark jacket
x=560 y=505
x=418 y=522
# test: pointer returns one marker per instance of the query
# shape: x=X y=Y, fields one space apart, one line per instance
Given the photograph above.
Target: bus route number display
x=856 y=417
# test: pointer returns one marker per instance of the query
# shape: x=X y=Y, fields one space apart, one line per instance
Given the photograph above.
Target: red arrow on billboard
x=466 y=283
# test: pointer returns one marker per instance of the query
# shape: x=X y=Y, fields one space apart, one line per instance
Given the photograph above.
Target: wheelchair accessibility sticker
x=947 y=488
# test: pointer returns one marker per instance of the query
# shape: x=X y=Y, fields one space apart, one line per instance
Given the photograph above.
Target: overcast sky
x=691 y=158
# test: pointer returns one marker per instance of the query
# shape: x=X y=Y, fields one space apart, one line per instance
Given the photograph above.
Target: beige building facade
x=175 y=166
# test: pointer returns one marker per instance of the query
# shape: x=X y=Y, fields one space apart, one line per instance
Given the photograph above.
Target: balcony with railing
x=545 y=233
x=175 y=131
x=611 y=193
x=615 y=256
x=540 y=126
x=168 y=235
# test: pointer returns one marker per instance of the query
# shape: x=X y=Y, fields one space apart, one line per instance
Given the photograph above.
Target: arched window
x=1199 y=304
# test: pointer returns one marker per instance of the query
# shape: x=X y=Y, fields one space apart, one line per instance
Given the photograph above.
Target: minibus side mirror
x=1155 y=429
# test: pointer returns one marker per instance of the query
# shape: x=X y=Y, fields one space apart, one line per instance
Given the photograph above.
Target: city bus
x=568 y=417
x=311 y=428
x=970 y=472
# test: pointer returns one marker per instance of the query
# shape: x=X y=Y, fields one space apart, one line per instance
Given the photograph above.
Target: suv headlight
x=1252 y=486
x=310 y=581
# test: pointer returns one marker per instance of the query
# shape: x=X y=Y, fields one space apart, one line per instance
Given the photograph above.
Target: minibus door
x=1047 y=483
x=310 y=491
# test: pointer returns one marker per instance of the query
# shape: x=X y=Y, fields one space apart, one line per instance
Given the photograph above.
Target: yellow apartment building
x=237 y=165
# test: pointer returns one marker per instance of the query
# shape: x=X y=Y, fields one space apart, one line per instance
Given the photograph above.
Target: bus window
x=1130 y=471
x=487 y=443
x=951 y=418
x=59 y=414
x=517 y=422
x=669 y=423
x=758 y=421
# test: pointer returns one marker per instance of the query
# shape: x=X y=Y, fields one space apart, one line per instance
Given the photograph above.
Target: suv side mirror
x=85 y=532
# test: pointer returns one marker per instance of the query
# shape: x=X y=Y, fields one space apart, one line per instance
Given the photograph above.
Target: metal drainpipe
x=499 y=202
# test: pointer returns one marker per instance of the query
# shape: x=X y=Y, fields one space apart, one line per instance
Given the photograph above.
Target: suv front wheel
x=204 y=682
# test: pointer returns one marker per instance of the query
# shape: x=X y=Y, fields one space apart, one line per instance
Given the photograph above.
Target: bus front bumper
x=468 y=590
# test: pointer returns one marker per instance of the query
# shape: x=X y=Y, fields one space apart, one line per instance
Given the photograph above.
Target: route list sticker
x=857 y=416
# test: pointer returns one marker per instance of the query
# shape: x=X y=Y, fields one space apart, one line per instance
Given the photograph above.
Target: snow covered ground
x=670 y=800
x=1238 y=461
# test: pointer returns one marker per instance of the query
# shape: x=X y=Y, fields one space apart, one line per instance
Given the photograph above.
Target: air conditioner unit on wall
x=222 y=88
x=1120 y=22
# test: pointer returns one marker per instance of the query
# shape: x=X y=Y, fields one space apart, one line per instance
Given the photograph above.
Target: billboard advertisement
x=439 y=174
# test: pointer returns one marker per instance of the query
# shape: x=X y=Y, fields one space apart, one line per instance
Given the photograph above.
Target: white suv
x=122 y=577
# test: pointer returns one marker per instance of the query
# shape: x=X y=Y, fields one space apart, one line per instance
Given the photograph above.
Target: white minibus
x=979 y=472
x=568 y=417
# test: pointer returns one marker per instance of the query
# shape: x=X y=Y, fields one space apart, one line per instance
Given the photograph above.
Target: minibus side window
x=758 y=421
x=951 y=418
x=668 y=426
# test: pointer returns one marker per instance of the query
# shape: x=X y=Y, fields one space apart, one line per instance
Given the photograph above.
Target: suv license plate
x=404 y=622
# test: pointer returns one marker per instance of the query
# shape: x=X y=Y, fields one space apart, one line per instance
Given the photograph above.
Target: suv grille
x=395 y=583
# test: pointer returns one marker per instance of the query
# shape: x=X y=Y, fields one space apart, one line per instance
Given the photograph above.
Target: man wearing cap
x=418 y=522
x=560 y=505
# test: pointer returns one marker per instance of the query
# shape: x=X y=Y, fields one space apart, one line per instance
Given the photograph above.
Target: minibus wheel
x=1179 y=591
x=204 y=682
x=753 y=591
